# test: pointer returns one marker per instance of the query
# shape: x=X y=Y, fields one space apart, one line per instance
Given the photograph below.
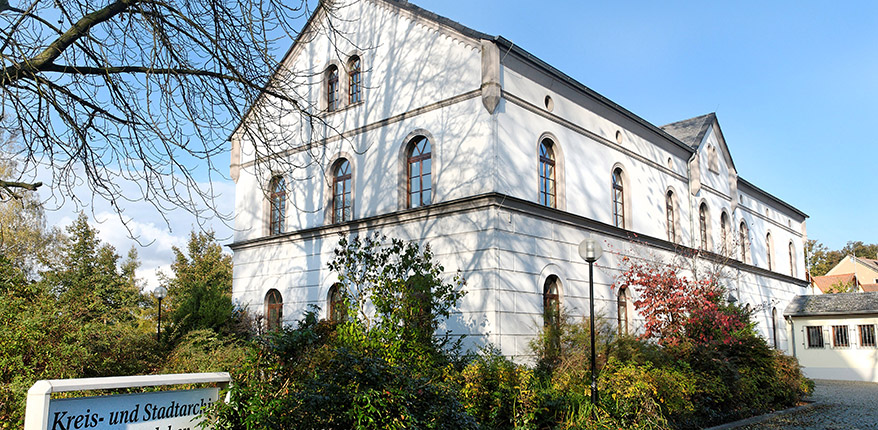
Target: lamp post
x=590 y=251
x=160 y=292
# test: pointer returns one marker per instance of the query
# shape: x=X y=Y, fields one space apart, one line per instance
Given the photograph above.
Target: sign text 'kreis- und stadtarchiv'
x=164 y=410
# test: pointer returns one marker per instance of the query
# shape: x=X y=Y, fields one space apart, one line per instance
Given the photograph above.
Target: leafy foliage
x=380 y=368
x=200 y=290
x=78 y=320
x=409 y=300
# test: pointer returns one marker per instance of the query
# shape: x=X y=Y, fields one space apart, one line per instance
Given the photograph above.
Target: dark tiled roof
x=690 y=131
x=828 y=281
x=833 y=304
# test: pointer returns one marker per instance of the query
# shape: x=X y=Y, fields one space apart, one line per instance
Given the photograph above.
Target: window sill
x=328 y=113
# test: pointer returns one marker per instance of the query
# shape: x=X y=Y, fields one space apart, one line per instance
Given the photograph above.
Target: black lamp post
x=590 y=251
x=160 y=292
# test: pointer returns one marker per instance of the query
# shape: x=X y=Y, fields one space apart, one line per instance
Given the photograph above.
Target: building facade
x=437 y=133
x=833 y=335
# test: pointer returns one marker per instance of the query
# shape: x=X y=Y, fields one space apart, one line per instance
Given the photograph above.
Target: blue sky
x=794 y=85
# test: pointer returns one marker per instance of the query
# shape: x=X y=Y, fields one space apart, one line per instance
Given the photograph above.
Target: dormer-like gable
x=711 y=164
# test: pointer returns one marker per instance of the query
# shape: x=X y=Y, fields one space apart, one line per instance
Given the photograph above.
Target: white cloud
x=151 y=232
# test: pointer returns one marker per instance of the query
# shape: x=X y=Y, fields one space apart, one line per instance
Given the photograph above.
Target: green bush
x=305 y=378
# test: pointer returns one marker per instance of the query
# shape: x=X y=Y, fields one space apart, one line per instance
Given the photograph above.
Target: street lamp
x=160 y=292
x=590 y=251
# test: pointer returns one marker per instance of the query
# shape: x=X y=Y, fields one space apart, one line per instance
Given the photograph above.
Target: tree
x=79 y=319
x=25 y=239
x=87 y=280
x=394 y=289
x=678 y=310
x=822 y=260
x=200 y=291
x=147 y=92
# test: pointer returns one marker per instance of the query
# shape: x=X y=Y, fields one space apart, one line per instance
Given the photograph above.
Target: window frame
x=774 y=327
x=552 y=302
x=336 y=311
x=792 y=249
x=618 y=190
x=419 y=159
x=622 y=311
x=841 y=336
x=671 y=216
x=547 y=171
x=744 y=237
x=867 y=337
x=355 y=80
x=703 y=218
x=725 y=229
x=277 y=203
x=274 y=302
x=347 y=194
x=814 y=337
x=333 y=101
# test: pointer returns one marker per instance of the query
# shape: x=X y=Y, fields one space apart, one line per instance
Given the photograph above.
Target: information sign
x=164 y=410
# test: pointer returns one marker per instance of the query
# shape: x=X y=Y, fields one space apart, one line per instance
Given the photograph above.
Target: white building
x=833 y=335
x=515 y=163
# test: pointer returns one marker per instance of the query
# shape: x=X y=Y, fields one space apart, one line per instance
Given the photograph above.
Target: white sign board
x=163 y=410
x=158 y=410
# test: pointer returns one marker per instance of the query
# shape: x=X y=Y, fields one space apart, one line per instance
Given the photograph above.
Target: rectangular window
x=815 y=336
x=840 y=336
x=867 y=335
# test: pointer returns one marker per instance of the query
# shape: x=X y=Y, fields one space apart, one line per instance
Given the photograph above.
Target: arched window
x=768 y=250
x=622 y=311
x=702 y=225
x=341 y=192
x=274 y=309
x=724 y=231
x=792 y=260
x=277 y=205
x=547 y=174
x=337 y=309
x=671 y=216
x=745 y=242
x=420 y=190
x=618 y=199
x=552 y=302
x=774 y=326
x=332 y=99
x=355 y=80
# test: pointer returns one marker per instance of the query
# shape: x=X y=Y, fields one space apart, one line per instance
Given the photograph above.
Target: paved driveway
x=842 y=406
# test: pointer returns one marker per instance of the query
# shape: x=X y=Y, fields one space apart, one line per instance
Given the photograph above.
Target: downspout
x=792 y=336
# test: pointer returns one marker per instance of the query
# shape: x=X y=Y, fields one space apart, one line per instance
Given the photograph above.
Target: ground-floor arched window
x=274 y=309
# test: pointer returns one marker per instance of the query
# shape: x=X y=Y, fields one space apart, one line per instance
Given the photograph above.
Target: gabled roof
x=833 y=304
x=828 y=281
x=868 y=262
x=691 y=131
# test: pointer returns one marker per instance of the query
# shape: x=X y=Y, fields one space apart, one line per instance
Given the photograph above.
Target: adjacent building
x=851 y=274
x=833 y=335
x=437 y=133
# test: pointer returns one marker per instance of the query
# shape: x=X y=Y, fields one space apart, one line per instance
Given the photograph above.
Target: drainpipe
x=792 y=336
